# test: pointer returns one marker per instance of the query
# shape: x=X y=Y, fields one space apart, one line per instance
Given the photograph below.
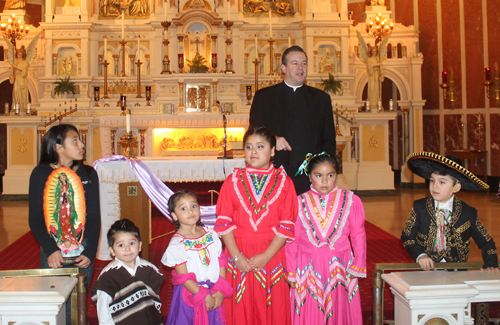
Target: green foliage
x=64 y=86
x=197 y=65
x=331 y=85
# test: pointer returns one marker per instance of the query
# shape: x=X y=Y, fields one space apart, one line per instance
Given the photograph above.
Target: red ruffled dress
x=256 y=205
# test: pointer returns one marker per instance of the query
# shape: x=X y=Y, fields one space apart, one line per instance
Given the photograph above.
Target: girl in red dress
x=256 y=210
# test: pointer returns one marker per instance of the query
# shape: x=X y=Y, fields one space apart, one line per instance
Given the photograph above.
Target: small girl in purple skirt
x=196 y=254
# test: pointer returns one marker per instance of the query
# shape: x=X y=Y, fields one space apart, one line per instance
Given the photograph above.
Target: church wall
x=468 y=48
x=474 y=54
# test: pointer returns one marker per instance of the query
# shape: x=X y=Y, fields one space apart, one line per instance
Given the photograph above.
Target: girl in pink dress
x=328 y=254
x=256 y=210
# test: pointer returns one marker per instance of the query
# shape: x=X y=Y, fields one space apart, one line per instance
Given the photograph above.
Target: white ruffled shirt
x=201 y=255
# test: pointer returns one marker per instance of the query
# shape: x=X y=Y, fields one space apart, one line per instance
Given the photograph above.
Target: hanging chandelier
x=379 y=27
x=14 y=30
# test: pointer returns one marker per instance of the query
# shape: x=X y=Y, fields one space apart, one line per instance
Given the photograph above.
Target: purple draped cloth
x=157 y=191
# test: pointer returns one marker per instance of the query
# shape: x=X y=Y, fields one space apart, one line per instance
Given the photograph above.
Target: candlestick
x=289 y=40
x=138 y=47
x=165 y=10
x=123 y=24
x=105 y=46
x=127 y=120
x=256 y=47
x=270 y=25
x=487 y=74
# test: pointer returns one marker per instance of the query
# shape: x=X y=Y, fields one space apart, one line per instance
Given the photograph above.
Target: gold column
x=83 y=133
x=113 y=134
x=247 y=69
x=271 y=56
x=79 y=60
x=142 y=133
x=181 y=95
x=54 y=64
x=214 y=92
x=115 y=65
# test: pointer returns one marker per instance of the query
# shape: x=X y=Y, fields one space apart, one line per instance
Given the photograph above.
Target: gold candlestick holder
x=138 y=63
x=129 y=143
x=105 y=64
x=166 y=60
x=123 y=42
x=271 y=55
x=256 y=63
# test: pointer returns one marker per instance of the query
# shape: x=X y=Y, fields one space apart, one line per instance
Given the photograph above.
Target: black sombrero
x=423 y=163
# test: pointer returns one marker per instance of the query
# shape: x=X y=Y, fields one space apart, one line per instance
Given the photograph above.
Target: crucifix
x=197 y=43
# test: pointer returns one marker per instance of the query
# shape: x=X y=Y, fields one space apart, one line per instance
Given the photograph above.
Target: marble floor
x=386 y=212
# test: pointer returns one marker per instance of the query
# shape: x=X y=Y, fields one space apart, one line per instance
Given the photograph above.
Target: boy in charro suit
x=440 y=226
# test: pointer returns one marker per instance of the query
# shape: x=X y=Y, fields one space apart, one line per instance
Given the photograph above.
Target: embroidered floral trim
x=235 y=179
x=201 y=246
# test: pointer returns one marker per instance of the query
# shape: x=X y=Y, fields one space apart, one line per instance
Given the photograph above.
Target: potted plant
x=331 y=85
x=64 y=86
x=197 y=65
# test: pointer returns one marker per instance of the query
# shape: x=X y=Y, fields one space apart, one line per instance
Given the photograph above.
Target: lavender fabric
x=157 y=191
x=182 y=314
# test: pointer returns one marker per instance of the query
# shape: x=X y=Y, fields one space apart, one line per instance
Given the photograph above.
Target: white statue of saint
x=373 y=57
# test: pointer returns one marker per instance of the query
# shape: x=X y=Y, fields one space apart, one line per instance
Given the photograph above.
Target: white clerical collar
x=448 y=205
x=293 y=87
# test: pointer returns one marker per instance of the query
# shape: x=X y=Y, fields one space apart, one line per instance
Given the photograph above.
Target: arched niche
x=67 y=61
x=327 y=57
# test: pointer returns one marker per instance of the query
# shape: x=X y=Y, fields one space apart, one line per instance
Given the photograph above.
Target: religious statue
x=373 y=57
x=14 y=5
x=69 y=66
x=21 y=62
x=62 y=68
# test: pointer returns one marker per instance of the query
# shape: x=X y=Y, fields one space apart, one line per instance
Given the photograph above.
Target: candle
x=138 y=47
x=165 y=34
x=367 y=105
x=105 y=46
x=270 y=25
x=165 y=10
x=6 y=108
x=487 y=74
x=256 y=48
x=28 y=111
x=289 y=40
x=123 y=24
x=379 y=104
x=391 y=105
x=445 y=77
x=17 y=108
x=228 y=9
x=127 y=120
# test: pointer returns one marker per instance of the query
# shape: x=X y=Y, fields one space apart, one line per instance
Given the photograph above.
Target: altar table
x=35 y=300
x=168 y=169
x=440 y=297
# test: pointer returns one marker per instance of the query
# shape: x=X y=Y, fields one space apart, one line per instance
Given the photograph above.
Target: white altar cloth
x=422 y=296
x=35 y=300
x=168 y=169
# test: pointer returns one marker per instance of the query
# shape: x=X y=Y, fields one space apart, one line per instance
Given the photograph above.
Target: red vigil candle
x=445 y=77
x=487 y=74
